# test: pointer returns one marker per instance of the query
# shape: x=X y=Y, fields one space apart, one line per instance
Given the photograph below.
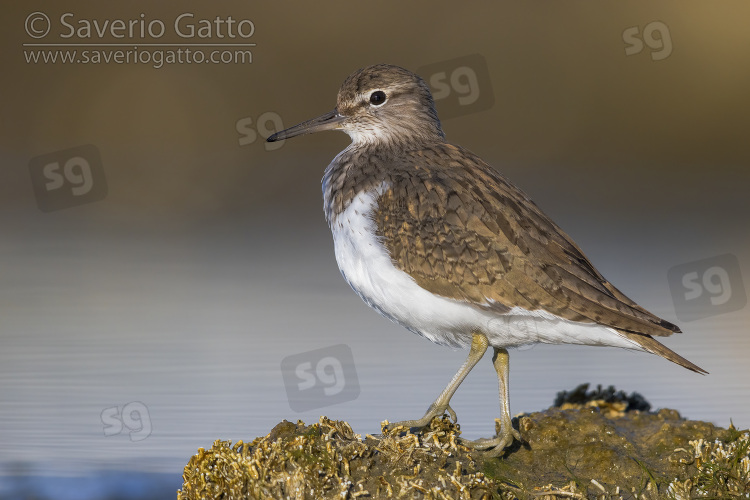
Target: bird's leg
x=494 y=447
x=479 y=345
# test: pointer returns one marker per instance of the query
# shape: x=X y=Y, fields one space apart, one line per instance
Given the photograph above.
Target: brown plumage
x=457 y=228
x=463 y=231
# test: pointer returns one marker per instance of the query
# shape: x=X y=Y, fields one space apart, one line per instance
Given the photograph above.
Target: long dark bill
x=328 y=121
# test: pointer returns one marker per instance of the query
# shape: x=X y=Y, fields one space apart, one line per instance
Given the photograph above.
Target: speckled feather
x=464 y=232
x=459 y=228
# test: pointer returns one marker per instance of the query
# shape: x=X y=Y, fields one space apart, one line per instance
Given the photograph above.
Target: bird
x=435 y=239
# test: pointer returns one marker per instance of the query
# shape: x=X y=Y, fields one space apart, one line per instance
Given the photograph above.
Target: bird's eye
x=377 y=98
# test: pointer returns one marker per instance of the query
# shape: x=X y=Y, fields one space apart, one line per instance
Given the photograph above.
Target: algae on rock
x=594 y=445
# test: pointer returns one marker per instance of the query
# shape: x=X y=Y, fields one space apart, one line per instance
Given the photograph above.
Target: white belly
x=367 y=267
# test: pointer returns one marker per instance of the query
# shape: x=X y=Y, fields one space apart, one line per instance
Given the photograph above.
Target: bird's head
x=380 y=104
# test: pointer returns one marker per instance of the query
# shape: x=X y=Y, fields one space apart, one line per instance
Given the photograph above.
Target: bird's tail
x=649 y=344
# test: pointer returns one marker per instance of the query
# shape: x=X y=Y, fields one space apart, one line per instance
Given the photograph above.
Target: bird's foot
x=495 y=447
x=432 y=412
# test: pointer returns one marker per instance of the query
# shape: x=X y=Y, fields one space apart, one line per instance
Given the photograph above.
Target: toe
x=452 y=413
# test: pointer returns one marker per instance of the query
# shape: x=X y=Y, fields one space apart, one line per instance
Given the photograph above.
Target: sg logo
x=459 y=86
x=462 y=81
x=134 y=417
x=319 y=378
x=524 y=327
x=249 y=134
x=328 y=371
x=68 y=178
x=715 y=281
x=707 y=287
x=661 y=46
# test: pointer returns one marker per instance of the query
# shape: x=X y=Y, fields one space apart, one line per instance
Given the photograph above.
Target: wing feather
x=463 y=231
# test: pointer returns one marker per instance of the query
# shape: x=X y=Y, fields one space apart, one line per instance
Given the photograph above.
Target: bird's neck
x=361 y=167
x=399 y=136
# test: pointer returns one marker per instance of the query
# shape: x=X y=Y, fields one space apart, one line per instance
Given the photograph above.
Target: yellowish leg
x=479 y=345
x=494 y=447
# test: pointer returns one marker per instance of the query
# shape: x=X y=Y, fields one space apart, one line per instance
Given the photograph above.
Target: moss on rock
x=585 y=448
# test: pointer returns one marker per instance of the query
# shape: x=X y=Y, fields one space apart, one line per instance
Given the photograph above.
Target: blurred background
x=167 y=277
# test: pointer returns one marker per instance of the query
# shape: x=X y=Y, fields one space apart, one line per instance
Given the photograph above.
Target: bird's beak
x=328 y=121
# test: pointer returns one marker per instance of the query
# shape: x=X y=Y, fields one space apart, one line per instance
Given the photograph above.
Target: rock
x=578 y=450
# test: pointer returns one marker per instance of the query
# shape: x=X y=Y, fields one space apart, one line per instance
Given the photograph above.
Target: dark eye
x=377 y=98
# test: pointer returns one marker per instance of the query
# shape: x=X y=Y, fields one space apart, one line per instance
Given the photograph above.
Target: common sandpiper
x=433 y=238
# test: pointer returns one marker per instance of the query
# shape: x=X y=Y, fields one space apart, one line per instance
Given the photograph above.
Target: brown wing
x=464 y=232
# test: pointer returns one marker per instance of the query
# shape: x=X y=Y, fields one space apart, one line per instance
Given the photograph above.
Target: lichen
x=590 y=447
x=723 y=468
x=327 y=460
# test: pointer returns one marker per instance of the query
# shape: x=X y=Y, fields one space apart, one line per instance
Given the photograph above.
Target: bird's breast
x=366 y=265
